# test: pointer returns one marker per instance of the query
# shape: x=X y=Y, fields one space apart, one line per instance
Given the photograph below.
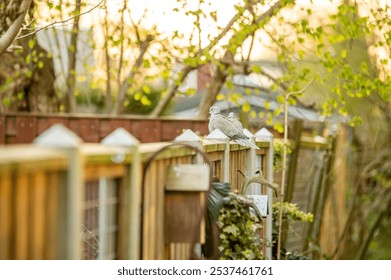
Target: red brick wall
x=23 y=128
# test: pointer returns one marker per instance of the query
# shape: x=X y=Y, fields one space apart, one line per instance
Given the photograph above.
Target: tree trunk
x=220 y=76
x=72 y=52
x=108 y=100
x=210 y=95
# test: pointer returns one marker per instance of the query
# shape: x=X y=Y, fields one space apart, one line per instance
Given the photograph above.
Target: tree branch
x=187 y=69
x=144 y=45
x=209 y=98
x=60 y=21
x=9 y=36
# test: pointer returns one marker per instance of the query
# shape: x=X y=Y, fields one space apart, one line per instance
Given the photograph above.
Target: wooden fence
x=61 y=198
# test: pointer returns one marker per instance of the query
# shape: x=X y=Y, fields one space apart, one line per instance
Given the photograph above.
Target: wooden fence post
x=121 y=137
x=251 y=163
x=220 y=136
x=266 y=135
x=189 y=137
x=58 y=136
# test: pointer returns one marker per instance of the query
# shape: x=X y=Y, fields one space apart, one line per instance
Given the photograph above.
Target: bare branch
x=60 y=21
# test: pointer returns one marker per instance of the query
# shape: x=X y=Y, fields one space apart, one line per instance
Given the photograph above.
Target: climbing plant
x=239 y=231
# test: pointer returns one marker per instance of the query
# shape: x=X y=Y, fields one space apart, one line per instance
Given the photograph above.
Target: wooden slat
x=22 y=216
x=160 y=217
x=5 y=215
x=52 y=216
x=148 y=238
x=93 y=172
x=123 y=218
x=38 y=221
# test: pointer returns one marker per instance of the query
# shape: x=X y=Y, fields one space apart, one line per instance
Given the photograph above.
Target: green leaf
x=232 y=229
x=279 y=127
x=229 y=84
x=31 y=43
x=281 y=99
x=267 y=105
x=246 y=107
x=145 y=101
x=6 y=101
x=190 y=91
x=146 y=89
x=344 y=53
x=220 y=97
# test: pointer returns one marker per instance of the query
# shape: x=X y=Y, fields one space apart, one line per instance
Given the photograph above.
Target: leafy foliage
x=278 y=149
x=290 y=212
x=239 y=231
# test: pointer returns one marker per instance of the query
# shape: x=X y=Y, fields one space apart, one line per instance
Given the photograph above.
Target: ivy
x=239 y=231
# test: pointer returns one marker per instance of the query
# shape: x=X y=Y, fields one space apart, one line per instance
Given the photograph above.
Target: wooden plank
x=5 y=215
x=148 y=221
x=183 y=210
x=31 y=158
x=38 y=221
x=93 y=172
x=22 y=216
x=123 y=218
x=160 y=217
x=52 y=217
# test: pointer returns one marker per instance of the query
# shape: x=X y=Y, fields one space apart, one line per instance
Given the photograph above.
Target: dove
x=228 y=127
x=232 y=117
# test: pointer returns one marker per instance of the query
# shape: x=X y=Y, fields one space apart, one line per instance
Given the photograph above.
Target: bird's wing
x=226 y=126
x=247 y=143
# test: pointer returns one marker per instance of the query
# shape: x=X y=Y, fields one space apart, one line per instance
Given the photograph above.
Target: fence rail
x=60 y=187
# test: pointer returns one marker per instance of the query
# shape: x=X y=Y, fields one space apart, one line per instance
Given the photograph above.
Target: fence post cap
x=248 y=133
x=120 y=137
x=187 y=136
x=58 y=136
x=263 y=133
x=217 y=134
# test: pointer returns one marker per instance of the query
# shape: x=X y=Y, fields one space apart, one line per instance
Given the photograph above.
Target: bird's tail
x=246 y=143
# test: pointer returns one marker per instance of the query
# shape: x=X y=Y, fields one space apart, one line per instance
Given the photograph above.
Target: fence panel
x=35 y=199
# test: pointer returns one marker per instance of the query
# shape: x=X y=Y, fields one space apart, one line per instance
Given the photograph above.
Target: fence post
x=266 y=135
x=251 y=162
x=220 y=136
x=58 y=136
x=189 y=137
x=121 y=137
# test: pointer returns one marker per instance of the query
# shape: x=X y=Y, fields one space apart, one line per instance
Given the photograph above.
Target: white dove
x=233 y=118
x=228 y=127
